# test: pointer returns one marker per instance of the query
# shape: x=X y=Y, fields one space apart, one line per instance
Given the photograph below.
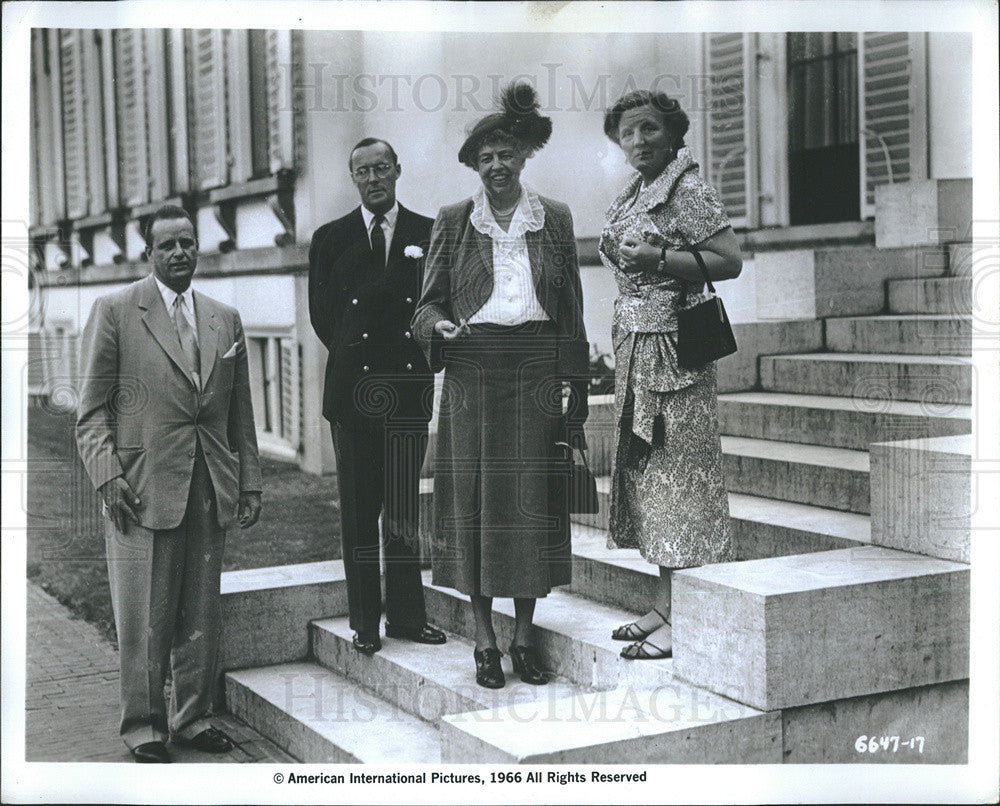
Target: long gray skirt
x=501 y=525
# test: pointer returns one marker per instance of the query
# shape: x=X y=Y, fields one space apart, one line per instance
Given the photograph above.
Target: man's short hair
x=372 y=141
x=164 y=213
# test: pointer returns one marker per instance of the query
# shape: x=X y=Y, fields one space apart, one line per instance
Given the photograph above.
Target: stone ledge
x=266 y=611
x=922 y=496
x=819 y=627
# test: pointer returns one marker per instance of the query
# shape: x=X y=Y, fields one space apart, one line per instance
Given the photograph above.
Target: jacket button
x=354 y=302
x=364 y=335
x=191 y=454
x=409 y=299
x=408 y=334
x=409 y=366
x=365 y=368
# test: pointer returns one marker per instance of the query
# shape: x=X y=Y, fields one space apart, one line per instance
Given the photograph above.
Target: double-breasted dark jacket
x=376 y=374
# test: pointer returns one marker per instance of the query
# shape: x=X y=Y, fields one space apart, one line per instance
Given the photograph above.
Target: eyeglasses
x=380 y=171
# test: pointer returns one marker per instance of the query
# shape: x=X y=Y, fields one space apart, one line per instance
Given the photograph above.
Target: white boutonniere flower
x=413 y=251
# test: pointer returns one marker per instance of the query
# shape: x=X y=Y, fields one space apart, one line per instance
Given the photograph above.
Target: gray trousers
x=165 y=594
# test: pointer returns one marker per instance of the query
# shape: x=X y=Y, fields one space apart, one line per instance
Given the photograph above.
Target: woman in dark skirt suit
x=502 y=314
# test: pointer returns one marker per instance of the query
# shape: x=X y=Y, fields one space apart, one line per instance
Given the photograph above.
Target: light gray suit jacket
x=140 y=414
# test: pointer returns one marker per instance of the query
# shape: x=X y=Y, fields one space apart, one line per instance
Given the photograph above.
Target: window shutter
x=279 y=100
x=133 y=157
x=156 y=113
x=93 y=115
x=74 y=139
x=732 y=78
x=208 y=109
x=893 y=111
x=291 y=392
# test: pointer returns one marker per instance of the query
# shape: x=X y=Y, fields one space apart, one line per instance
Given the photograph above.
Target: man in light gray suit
x=165 y=429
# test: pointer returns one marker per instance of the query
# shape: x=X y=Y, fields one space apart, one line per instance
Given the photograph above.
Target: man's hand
x=121 y=502
x=249 y=510
x=638 y=256
x=450 y=330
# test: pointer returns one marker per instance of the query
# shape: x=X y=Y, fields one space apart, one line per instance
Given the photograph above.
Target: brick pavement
x=71 y=697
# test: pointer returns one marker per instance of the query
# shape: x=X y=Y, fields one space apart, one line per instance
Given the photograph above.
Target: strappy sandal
x=633 y=632
x=638 y=651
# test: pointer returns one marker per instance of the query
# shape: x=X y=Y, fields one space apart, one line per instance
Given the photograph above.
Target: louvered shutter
x=109 y=116
x=893 y=106
x=154 y=46
x=133 y=155
x=74 y=138
x=93 y=115
x=731 y=132
x=208 y=109
x=291 y=392
x=279 y=100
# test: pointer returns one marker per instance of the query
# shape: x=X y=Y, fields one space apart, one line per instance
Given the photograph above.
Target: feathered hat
x=519 y=117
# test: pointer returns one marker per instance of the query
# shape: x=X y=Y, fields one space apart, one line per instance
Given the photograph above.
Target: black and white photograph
x=545 y=402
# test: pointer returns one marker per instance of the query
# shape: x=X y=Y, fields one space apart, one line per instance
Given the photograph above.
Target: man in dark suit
x=365 y=276
x=165 y=429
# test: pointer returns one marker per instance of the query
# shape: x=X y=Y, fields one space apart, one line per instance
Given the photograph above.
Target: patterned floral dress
x=668 y=496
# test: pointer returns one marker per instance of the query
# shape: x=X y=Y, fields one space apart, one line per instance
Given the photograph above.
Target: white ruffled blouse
x=513 y=300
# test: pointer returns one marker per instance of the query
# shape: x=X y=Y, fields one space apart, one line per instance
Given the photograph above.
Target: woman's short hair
x=669 y=110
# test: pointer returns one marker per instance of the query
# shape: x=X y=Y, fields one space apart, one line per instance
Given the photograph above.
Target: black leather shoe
x=151 y=753
x=488 y=671
x=425 y=634
x=525 y=660
x=210 y=740
x=366 y=644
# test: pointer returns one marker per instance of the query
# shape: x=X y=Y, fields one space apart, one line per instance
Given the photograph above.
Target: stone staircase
x=846 y=614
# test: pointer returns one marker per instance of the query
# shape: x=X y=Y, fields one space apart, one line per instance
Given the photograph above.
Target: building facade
x=250 y=131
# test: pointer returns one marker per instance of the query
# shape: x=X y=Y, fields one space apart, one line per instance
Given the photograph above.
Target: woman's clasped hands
x=638 y=256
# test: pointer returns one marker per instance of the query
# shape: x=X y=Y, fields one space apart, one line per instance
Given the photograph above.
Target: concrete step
x=923 y=334
x=426 y=681
x=872 y=378
x=762 y=527
x=811 y=628
x=821 y=476
x=839 y=422
x=572 y=635
x=319 y=717
x=935 y=295
x=675 y=723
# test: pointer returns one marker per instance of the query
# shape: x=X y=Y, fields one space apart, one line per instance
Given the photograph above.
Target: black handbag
x=703 y=330
x=582 y=490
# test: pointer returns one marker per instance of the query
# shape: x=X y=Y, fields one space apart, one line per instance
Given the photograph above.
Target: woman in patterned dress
x=668 y=497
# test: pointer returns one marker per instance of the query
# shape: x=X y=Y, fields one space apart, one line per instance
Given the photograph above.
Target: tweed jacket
x=375 y=372
x=141 y=416
x=459 y=280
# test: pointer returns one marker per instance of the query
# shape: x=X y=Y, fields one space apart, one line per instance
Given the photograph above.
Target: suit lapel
x=208 y=335
x=161 y=326
x=400 y=237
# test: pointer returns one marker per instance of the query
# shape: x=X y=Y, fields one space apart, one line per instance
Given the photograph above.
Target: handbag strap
x=569 y=447
x=701 y=265
x=688 y=247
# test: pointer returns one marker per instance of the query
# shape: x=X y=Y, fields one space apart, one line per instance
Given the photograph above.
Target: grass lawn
x=300 y=521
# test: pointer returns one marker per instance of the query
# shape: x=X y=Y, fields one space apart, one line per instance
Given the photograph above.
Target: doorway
x=824 y=171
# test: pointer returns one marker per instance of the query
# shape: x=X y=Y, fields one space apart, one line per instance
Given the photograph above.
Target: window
x=276 y=391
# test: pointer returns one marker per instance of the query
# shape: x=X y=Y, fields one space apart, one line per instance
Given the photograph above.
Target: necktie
x=188 y=342
x=378 y=242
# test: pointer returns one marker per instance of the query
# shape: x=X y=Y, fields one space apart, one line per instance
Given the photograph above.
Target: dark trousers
x=378 y=472
x=165 y=594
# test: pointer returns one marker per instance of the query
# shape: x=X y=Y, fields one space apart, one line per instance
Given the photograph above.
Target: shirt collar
x=169 y=295
x=390 y=216
x=528 y=217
